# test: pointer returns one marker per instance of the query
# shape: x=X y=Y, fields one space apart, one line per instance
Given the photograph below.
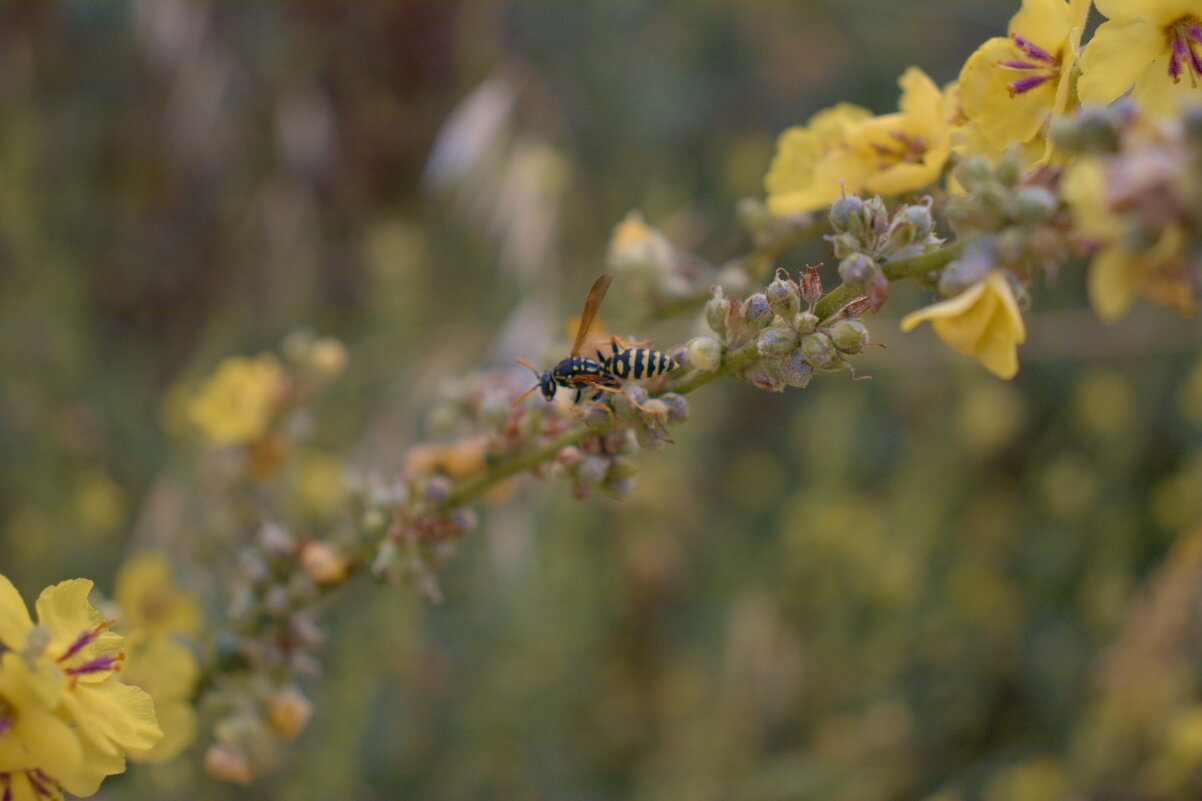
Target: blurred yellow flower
x=236 y=404
x=71 y=643
x=983 y=321
x=812 y=163
x=906 y=150
x=32 y=737
x=321 y=483
x=1012 y=86
x=99 y=503
x=1152 y=47
x=168 y=671
x=1118 y=273
x=150 y=601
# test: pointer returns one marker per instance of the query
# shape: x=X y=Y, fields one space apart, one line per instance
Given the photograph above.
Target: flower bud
x=288 y=711
x=1010 y=168
x=967 y=270
x=845 y=244
x=591 y=471
x=776 y=341
x=229 y=764
x=752 y=214
x=818 y=349
x=654 y=409
x=620 y=489
x=849 y=336
x=1034 y=204
x=715 y=312
x=762 y=376
x=756 y=312
x=911 y=224
x=569 y=456
x=678 y=407
x=1097 y=129
x=857 y=269
x=298 y=344
x=328 y=357
x=805 y=323
x=1066 y=133
x=620 y=469
x=438 y=489
x=323 y=563
x=975 y=173
x=795 y=371
x=704 y=353
x=464 y=519
x=843 y=210
x=275 y=540
x=783 y=297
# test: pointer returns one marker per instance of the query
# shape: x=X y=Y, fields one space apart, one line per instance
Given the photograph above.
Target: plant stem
x=894 y=270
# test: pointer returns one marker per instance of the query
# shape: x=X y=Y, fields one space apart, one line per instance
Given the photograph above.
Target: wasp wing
x=591 y=305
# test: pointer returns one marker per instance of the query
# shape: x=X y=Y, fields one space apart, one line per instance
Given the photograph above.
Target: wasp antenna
x=523 y=396
x=527 y=365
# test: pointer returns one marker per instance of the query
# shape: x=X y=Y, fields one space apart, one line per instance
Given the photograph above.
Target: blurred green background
x=931 y=584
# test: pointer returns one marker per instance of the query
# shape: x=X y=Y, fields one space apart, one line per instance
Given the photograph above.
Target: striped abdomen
x=639 y=363
x=577 y=366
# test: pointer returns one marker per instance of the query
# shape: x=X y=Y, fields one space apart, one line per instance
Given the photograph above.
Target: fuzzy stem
x=686 y=382
x=894 y=270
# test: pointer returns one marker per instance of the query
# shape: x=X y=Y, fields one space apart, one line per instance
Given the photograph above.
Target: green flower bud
x=973 y=266
x=569 y=456
x=911 y=224
x=756 y=312
x=463 y=519
x=654 y=410
x=715 y=312
x=704 y=353
x=818 y=349
x=849 y=336
x=591 y=471
x=1098 y=129
x=752 y=214
x=845 y=244
x=795 y=371
x=1010 y=168
x=762 y=376
x=776 y=341
x=784 y=297
x=1034 y=204
x=619 y=489
x=857 y=269
x=843 y=210
x=1066 y=133
x=1010 y=245
x=621 y=468
x=975 y=172
x=805 y=323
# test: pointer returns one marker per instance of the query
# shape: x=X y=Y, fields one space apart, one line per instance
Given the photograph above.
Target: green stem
x=502 y=469
x=894 y=270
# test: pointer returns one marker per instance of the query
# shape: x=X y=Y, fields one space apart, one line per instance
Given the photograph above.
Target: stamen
x=108 y=662
x=38 y=787
x=6 y=778
x=1027 y=84
x=6 y=725
x=1033 y=50
x=84 y=639
x=1020 y=65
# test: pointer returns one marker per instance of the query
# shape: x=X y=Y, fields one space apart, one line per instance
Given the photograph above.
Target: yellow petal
x=1043 y=22
x=64 y=609
x=114 y=716
x=1115 y=56
x=1011 y=321
x=985 y=96
x=96 y=765
x=1112 y=282
x=14 y=617
x=1155 y=91
x=966 y=331
x=952 y=307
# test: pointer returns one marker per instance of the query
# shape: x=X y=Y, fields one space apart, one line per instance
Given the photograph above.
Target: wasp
x=605 y=373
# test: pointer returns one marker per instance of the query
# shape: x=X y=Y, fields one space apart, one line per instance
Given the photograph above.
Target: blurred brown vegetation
x=933 y=583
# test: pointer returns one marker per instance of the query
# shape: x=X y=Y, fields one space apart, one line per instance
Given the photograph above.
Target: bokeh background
x=934 y=584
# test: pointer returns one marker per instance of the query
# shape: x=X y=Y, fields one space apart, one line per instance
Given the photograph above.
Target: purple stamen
x=1020 y=65
x=96 y=665
x=1027 y=84
x=80 y=642
x=8 y=787
x=1033 y=50
x=38 y=787
x=6 y=725
x=1194 y=32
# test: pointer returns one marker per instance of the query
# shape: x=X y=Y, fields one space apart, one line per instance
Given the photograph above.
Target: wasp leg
x=633 y=402
x=577 y=400
x=618 y=344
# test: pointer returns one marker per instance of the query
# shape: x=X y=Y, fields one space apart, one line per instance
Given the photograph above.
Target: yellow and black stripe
x=638 y=363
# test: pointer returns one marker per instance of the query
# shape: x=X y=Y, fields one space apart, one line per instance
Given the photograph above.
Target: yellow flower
x=237 y=403
x=1012 y=86
x=1119 y=273
x=845 y=149
x=983 y=321
x=906 y=150
x=149 y=599
x=1153 y=47
x=71 y=643
x=812 y=161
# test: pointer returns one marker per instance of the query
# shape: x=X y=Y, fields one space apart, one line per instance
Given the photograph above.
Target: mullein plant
x=1047 y=154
